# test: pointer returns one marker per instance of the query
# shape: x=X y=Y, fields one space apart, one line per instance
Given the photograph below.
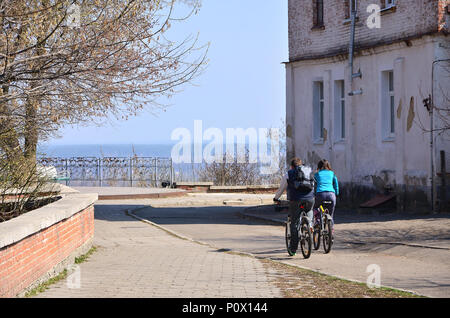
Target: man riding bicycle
x=299 y=183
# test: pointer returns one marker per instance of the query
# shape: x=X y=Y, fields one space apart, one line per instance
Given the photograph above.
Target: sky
x=243 y=85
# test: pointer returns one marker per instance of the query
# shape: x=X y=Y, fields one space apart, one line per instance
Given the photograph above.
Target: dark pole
x=443 y=181
x=433 y=205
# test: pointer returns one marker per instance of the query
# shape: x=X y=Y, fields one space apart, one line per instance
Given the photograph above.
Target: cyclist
x=327 y=187
x=298 y=196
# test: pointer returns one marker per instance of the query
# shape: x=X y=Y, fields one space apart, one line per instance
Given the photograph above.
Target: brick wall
x=26 y=261
x=411 y=18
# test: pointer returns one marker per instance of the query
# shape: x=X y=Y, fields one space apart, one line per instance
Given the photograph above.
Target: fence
x=112 y=171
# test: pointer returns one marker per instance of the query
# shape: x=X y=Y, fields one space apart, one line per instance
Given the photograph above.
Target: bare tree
x=276 y=177
x=230 y=173
x=23 y=187
x=116 y=59
x=438 y=101
x=441 y=98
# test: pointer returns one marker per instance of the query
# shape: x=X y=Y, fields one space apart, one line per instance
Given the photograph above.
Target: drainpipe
x=351 y=51
x=433 y=183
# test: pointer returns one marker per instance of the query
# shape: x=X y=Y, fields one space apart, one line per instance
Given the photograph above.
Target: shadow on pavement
x=427 y=230
x=114 y=212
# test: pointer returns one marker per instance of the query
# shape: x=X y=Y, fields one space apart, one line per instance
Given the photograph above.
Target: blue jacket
x=326 y=181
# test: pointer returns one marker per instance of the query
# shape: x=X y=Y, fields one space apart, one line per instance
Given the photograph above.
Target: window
x=352 y=6
x=391 y=103
x=388 y=104
x=386 y=4
x=318 y=111
x=349 y=5
x=318 y=13
x=339 y=110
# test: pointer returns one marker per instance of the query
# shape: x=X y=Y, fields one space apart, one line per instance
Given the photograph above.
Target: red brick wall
x=411 y=18
x=24 y=262
x=442 y=12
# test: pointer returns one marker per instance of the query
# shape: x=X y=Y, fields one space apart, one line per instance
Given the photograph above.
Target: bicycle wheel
x=316 y=237
x=288 y=238
x=327 y=237
x=305 y=239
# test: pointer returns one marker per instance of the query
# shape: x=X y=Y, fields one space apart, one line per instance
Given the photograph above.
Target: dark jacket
x=294 y=194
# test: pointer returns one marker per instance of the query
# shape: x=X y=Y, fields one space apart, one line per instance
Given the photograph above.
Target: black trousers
x=294 y=214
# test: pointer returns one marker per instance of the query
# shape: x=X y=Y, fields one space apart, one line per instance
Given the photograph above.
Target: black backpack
x=302 y=182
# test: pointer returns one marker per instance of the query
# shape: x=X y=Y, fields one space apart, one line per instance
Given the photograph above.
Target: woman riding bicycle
x=327 y=187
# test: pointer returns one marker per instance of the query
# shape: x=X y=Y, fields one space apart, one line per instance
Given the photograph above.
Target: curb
x=173 y=233
x=261 y=218
x=279 y=222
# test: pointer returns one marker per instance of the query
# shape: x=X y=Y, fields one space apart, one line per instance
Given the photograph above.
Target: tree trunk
x=31 y=131
x=9 y=140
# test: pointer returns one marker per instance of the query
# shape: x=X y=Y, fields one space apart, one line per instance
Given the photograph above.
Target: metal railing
x=112 y=171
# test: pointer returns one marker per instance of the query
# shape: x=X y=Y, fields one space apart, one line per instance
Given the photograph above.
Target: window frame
x=339 y=111
x=318 y=11
x=348 y=12
x=318 y=111
x=350 y=5
x=387 y=4
x=391 y=93
x=388 y=105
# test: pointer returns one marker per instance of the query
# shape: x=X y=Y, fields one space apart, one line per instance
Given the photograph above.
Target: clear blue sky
x=243 y=86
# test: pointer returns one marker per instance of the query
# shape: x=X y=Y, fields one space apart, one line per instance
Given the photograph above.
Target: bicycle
x=323 y=227
x=304 y=234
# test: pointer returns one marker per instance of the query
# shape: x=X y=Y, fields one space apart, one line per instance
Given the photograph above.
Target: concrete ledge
x=141 y=196
x=227 y=188
x=48 y=188
x=247 y=189
x=16 y=229
x=130 y=193
x=209 y=187
x=194 y=184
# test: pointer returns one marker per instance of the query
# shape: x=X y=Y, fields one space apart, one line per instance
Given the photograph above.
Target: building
x=369 y=118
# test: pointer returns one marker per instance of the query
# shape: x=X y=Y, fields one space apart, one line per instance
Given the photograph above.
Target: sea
x=105 y=150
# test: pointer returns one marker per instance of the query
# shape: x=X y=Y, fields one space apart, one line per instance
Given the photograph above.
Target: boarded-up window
x=318 y=12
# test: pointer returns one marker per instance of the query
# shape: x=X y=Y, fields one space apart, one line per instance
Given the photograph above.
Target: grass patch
x=297 y=282
x=45 y=285
x=83 y=258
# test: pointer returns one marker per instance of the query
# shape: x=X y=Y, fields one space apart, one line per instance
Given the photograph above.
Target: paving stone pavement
x=135 y=259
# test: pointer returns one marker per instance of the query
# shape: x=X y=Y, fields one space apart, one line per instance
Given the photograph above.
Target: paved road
x=423 y=270
x=135 y=259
